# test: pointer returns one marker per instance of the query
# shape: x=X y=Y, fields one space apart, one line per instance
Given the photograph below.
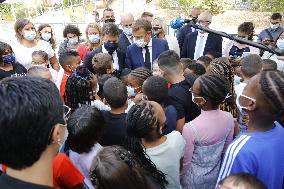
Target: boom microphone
x=237 y=39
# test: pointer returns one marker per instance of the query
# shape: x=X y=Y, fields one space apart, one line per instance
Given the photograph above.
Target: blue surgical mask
x=73 y=41
x=127 y=31
x=237 y=80
x=8 y=59
x=110 y=47
x=274 y=26
x=280 y=43
x=131 y=91
x=140 y=42
x=30 y=35
x=46 y=36
x=94 y=38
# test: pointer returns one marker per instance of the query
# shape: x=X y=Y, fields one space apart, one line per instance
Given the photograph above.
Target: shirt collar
x=150 y=43
x=203 y=34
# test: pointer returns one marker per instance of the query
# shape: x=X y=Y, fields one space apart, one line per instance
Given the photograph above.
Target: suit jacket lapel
x=154 y=49
x=139 y=55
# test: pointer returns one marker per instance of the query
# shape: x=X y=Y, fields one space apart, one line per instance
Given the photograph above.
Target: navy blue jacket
x=181 y=34
x=134 y=56
x=123 y=42
x=213 y=43
x=89 y=57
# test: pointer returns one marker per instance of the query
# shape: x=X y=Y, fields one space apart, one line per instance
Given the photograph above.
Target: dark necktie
x=147 y=58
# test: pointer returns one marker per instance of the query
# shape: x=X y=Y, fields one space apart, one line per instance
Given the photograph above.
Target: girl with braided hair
x=81 y=88
x=263 y=100
x=136 y=79
x=221 y=66
x=145 y=125
x=205 y=141
x=115 y=167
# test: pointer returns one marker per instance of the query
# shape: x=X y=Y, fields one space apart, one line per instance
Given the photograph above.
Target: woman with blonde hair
x=93 y=36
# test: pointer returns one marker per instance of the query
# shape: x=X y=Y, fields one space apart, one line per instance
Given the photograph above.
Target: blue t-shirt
x=260 y=154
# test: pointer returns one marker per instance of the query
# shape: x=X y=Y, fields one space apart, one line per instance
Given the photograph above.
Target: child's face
x=39 y=60
x=74 y=62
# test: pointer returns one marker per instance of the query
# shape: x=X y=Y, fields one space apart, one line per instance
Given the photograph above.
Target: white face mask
x=94 y=38
x=131 y=91
x=274 y=26
x=127 y=31
x=73 y=41
x=239 y=104
x=280 y=43
x=46 y=36
x=140 y=42
x=30 y=35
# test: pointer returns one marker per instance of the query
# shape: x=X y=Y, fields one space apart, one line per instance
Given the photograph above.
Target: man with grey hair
x=40 y=71
x=159 y=28
x=126 y=38
x=198 y=43
x=110 y=33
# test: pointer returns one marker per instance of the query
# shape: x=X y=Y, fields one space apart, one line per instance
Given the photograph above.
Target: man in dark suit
x=198 y=43
x=125 y=38
x=110 y=45
x=145 y=49
x=186 y=29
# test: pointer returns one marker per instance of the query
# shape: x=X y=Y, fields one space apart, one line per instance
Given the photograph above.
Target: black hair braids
x=140 y=122
x=272 y=85
x=214 y=88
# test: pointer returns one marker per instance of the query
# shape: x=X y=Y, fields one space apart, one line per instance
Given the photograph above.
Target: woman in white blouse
x=28 y=43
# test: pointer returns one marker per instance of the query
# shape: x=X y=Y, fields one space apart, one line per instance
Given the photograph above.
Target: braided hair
x=141 y=74
x=141 y=123
x=221 y=66
x=214 y=88
x=79 y=88
x=272 y=85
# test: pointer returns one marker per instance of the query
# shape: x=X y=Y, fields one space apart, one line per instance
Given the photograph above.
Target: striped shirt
x=260 y=154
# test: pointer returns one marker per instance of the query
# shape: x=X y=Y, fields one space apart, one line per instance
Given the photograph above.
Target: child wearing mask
x=250 y=66
x=8 y=65
x=263 y=100
x=208 y=135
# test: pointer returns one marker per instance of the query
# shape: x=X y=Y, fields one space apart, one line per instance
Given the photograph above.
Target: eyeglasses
x=67 y=112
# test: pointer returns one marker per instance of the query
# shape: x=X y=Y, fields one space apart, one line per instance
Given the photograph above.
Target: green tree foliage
x=267 y=5
x=214 y=6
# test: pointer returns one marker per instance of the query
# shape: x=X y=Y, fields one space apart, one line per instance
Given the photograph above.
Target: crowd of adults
x=132 y=107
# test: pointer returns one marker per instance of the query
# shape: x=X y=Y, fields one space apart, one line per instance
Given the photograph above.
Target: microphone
x=178 y=23
x=237 y=39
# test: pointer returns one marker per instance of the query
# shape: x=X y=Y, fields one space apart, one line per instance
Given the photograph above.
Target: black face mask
x=110 y=20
